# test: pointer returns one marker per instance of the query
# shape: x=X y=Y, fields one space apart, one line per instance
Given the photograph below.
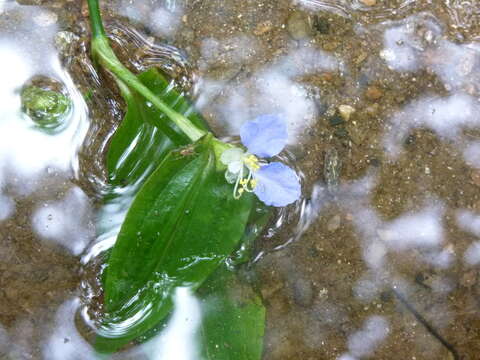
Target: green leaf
x=183 y=223
x=139 y=145
x=234 y=319
x=145 y=135
x=47 y=108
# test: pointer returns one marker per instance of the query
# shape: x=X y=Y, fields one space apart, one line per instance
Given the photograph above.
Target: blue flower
x=274 y=183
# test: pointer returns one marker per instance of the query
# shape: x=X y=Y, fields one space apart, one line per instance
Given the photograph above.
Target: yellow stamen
x=247 y=183
x=252 y=162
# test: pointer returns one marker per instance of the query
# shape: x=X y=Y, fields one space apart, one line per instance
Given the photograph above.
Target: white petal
x=232 y=155
x=235 y=166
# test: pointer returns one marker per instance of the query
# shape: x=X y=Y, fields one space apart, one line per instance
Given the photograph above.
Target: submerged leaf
x=233 y=319
x=139 y=145
x=46 y=108
x=145 y=136
x=182 y=224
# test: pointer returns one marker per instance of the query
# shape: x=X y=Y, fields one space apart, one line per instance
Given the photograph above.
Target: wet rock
x=336 y=120
x=373 y=93
x=346 y=111
x=302 y=290
x=298 y=25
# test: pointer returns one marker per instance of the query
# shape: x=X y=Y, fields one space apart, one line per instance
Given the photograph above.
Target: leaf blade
x=234 y=319
x=200 y=225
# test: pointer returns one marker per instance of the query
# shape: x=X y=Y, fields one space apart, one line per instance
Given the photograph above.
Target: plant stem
x=104 y=54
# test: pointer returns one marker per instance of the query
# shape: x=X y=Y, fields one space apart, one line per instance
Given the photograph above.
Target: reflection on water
x=178 y=340
x=381 y=256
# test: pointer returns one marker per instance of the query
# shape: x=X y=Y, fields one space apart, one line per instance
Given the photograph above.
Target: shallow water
x=379 y=260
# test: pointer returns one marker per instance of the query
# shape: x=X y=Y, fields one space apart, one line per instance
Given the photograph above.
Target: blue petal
x=265 y=136
x=278 y=185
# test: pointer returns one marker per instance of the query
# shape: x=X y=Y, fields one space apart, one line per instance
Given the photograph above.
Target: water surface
x=379 y=260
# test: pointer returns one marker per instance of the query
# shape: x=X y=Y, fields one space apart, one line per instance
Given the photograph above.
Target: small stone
x=334 y=223
x=361 y=57
x=369 y=2
x=330 y=46
x=321 y=24
x=298 y=25
x=475 y=176
x=263 y=28
x=373 y=93
x=336 y=120
x=326 y=76
x=346 y=111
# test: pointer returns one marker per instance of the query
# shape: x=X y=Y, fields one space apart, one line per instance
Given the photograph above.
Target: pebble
x=369 y=2
x=475 y=176
x=321 y=24
x=334 y=223
x=361 y=57
x=263 y=28
x=330 y=46
x=373 y=93
x=346 y=111
x=298 y=25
